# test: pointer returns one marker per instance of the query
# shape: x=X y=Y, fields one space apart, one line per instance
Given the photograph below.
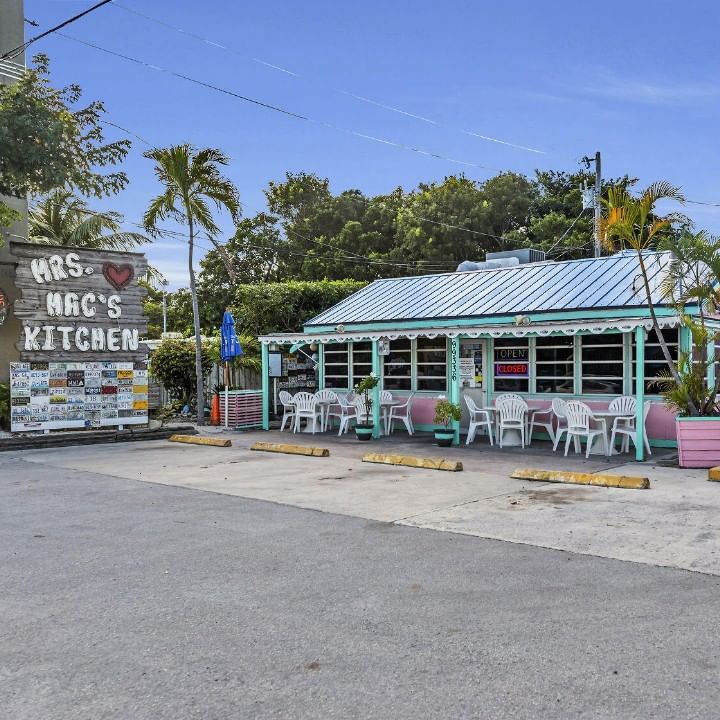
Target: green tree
x=191 y=178
x=285 y=307
x=61 y=218
x=47 y=142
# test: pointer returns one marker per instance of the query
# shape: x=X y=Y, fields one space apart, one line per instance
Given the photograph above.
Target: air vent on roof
x=508 y=258
x=524 y=255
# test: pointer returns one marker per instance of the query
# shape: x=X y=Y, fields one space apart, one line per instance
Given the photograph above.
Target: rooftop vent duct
x=509 y=258
x=524 y=255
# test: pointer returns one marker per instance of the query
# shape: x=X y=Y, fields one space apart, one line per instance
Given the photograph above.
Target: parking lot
x=673 y=524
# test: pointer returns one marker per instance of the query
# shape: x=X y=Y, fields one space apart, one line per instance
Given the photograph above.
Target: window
x=512 y=365
x=397 y=366
x=336 y=366
x=361 y=360
x=554 y=358
x=654 y=358
x=602 y=364
x=431 y=363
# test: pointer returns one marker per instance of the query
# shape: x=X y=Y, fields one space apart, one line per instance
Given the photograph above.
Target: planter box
x=698 y=441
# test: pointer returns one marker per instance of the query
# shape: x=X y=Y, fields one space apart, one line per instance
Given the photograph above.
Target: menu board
x=59 y=395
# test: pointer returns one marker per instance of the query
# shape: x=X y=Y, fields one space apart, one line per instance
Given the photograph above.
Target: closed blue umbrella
x=229 y=348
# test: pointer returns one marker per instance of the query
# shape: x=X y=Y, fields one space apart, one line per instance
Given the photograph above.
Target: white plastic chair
x=512 y=415
x=361 y=415
x=626 y=430
x=579 y=416
x=559 y=408
x=346 y=412
x=403 y=413
x=508 y=396
x=326 y=399
x=541 y=419
x=286 y=400
x=625 y=404
x=306 y=407
x=478 y=418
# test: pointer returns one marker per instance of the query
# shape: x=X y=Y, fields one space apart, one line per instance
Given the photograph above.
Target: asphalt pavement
x=128 y=600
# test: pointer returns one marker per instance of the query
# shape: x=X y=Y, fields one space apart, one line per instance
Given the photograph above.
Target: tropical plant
x=693 y=278
x=446 y=412
x=192 y=180
x=173 y=364
x=61 y=218
x=364 y=389
x=631 y=221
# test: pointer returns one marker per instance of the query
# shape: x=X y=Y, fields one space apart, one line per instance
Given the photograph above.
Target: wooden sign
x=79 y=305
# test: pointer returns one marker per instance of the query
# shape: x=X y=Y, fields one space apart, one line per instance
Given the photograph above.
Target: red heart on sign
x=118 y=275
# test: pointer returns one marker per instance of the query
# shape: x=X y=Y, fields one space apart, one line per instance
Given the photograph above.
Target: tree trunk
x=199 y=386
x=656 y=326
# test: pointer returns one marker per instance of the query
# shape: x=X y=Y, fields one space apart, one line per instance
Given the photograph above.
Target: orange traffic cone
x=215 y=410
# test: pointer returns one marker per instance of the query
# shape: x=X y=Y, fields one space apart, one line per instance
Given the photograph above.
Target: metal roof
x=590 y=284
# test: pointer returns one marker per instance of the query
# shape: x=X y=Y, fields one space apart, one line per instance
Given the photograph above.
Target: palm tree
x=633 y=222
x=61 y=218
x=191 y=179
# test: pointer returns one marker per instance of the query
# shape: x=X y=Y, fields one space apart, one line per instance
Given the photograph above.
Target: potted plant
x=445 y=413
x=363 y=390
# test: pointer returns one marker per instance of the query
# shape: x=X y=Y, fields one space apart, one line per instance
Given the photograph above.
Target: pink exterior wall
x=660 y=421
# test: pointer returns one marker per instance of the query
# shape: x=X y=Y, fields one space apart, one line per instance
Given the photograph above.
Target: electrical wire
x=20 y=49
x=563 y=236
x=355 y=198
x=355 y=96
x=297 y=116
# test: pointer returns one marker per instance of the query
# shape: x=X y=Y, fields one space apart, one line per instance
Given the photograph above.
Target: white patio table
x=609 y=417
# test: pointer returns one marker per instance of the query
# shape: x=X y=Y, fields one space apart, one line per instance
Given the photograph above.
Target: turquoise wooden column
x=264 y=374
x=376 y=390
x=320 y=370
x=639 y=393
x=454 y=389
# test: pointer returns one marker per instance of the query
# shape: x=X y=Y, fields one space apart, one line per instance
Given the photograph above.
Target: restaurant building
x=577 y=329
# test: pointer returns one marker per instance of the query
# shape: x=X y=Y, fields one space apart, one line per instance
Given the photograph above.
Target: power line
x=297 y=116
x=20 y=49
x=355 y=96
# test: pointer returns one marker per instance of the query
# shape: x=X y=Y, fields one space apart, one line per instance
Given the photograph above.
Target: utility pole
x=597 y=194
x=598 y=217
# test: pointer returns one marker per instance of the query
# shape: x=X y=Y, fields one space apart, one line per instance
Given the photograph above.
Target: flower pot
x=364 y=432
x=698 y=441
x=444 y=436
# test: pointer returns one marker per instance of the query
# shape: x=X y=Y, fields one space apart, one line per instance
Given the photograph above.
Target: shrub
x=173 y=364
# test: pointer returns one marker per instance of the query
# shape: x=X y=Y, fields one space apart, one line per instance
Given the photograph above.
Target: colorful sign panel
x=55 y=395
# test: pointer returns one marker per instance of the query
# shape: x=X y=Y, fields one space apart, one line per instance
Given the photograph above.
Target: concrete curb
x=87 y=437
x=628 y=482
x=199 y=440
x=416 y=462
x=714 y=474
x=291 y=449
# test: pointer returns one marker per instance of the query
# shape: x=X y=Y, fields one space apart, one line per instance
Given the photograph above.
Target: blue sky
x=637 y=81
